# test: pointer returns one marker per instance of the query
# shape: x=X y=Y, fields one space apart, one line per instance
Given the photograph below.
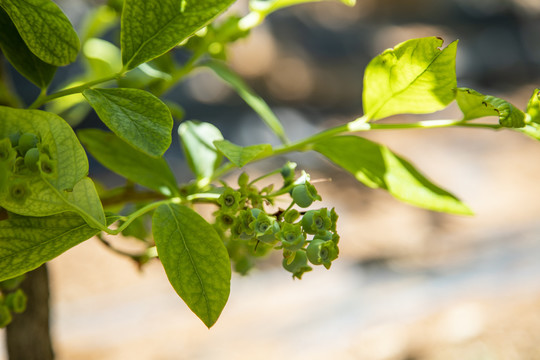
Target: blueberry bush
x=48 y=203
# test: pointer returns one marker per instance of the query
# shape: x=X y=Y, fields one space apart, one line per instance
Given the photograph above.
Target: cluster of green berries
x=307 y=237
x=12 y=300
x=24 y=155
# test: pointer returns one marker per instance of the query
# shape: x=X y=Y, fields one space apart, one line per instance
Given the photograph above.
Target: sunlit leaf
x=475 y=105
x=378 y=167
x=239 y=155
x=415 y=77
x=197 y=140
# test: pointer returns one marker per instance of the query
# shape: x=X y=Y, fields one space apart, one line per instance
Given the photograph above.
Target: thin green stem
x=179 y=74
x=264 y=176
x=130 y=218
x=357 y=125
x=43 y=98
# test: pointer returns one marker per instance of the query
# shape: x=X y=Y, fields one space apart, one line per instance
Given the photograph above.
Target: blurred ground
x=410 y=284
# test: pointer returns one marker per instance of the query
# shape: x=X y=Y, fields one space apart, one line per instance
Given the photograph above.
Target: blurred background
x=409 y=284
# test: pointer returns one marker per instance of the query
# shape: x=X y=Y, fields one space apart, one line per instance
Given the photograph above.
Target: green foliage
x=194 y=258
x=378 y=167
x=45 y=29
x=19 y=55
x=118 y=156
x=153 y=27
x=48 y=203
x=415 y=76
x=28 y=242
x=475 y=105
x=136 y=116
x=198 y=143
x=252 y=99
x=239 y=155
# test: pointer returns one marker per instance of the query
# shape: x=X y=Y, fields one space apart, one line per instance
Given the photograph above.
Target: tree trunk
x=28 y=336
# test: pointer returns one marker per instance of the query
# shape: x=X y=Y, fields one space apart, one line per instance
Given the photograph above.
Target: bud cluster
x=305 y=238
x=12 y=300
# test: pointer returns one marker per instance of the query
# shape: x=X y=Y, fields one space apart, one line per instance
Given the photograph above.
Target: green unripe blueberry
x=291 y=236
x=270 y=236
x=315 y=221
x=16 y=301
x=26 y=142
x=304 y=194
x=31 y=159
x=14 y=138
x=12 y=284
x=298 y=266
x=5 y=316
x=321 y=252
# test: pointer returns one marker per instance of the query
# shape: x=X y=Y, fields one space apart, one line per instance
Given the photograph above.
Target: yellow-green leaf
x=416 y=77
x=378 y=167
x=475 y=105
x=239 y=155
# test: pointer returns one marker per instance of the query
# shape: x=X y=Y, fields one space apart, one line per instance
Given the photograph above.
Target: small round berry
x=31 y=159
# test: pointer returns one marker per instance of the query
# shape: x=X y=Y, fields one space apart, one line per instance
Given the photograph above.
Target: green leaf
x=475 y=105
x=153 y=27
x=118 y=156
x=195 y=260
x=20 y=56
x=103 y=58
x=136 y=116
x=45 y=29
x=252 y=99
x=239 y=155
x=28 y=242
x=414 y=77
x=64 y=187
x=533 y=107
x=376 y=166
x=198 y=143
x=268 y=6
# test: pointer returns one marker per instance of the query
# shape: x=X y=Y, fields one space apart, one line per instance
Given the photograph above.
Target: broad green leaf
x=118 y=156
x=61 y=184
x=195 y=260
x=252 y=99
x=475 y=105
x=153 y=27
x=103 y=57
x=414 y=77
x=268 y=6
x=239 y=155
x=22 y=59
x=136 y=116
x=533 y=107
x=45 y=29
x=28 y=242
x=197 y=140
x=377 y=166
